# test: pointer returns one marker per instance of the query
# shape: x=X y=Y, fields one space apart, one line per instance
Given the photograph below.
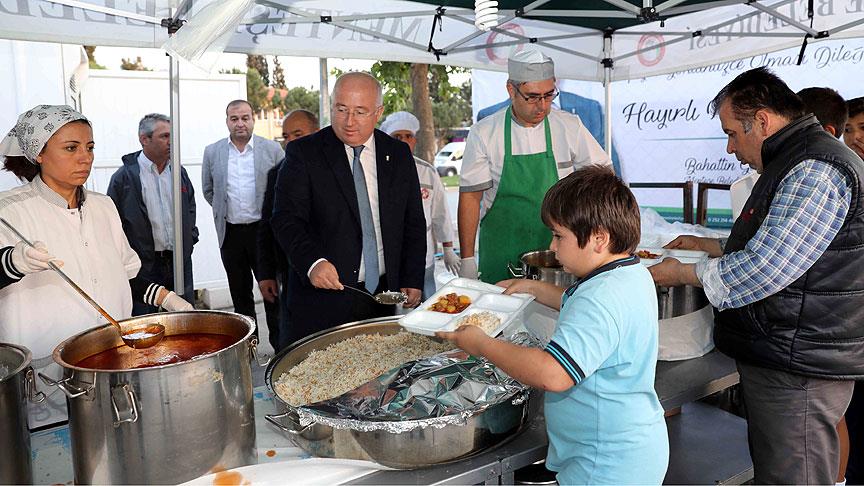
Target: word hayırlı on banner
x=662 y=127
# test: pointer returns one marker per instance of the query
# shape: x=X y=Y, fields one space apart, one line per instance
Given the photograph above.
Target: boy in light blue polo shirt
x=604 y=420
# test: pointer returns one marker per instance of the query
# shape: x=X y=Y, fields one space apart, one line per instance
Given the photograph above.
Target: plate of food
x=466 y=302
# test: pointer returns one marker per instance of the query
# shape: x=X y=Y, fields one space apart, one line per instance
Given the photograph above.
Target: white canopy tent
x=659 y=38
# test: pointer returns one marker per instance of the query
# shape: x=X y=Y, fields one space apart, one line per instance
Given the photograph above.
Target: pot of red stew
x=165 y=414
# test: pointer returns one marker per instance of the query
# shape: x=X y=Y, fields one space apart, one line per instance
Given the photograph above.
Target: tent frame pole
x=176 y=168
x=607 y=89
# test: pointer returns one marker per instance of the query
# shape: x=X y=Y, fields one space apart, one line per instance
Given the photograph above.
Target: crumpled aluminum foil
x=437 y=391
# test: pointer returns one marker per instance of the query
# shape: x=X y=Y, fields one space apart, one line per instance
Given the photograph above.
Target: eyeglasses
x=344 y=112
x=533 y=99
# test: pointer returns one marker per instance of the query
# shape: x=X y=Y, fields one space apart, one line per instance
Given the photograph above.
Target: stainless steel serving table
x=677 y=383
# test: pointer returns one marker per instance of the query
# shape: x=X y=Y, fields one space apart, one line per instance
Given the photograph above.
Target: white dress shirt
x=158 y=195
x=370 y=172
x=240 y=185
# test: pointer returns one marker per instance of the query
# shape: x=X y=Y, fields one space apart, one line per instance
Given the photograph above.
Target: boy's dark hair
x=855 y=106
x=758 y=89
x=593 y=199
x=827 y=105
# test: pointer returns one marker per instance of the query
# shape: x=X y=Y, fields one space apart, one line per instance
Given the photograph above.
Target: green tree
x=278 y=74
x=450 y=104
x=138 y=65
x=298 y=98
x=91 y=57
x=256 y=90
x=259 y=63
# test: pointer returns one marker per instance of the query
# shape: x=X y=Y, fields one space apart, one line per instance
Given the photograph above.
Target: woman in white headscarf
x=52 y=148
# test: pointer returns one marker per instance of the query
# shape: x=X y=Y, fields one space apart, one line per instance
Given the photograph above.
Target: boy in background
x=604 y=420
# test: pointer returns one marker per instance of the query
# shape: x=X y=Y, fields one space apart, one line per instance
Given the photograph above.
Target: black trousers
x=162 y=273
x=238 y=257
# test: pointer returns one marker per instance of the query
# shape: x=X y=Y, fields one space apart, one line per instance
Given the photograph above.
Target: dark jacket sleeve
x=8 y=273
x=414 y=233
x=292 y=209
x=267 y=256
x=144 y=290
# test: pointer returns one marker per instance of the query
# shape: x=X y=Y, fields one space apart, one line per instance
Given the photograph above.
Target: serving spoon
x=386 y=298
x=138 y=338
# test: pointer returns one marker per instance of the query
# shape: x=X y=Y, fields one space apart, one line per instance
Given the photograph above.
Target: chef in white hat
x=511 y=159
x=404 y=126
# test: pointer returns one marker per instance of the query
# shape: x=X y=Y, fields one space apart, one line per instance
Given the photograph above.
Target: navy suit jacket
x=316 y=215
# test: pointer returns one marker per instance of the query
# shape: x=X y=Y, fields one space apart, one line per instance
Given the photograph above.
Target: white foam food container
x=484 y=298
x=660 y=252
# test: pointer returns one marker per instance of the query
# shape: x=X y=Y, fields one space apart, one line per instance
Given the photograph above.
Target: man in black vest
x=787 y=285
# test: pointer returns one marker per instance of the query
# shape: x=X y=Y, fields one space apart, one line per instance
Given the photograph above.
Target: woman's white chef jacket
x=41 y=310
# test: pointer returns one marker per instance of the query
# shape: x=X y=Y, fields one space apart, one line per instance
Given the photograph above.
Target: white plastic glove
x=31 y=259
x=173 y=302
x=451 y=260
x=468 y=268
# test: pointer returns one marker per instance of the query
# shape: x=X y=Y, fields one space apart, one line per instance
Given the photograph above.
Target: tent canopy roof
x=589 y=14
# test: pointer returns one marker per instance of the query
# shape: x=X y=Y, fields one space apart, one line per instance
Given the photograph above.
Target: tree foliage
x=298 y=98
x=91 y=57
x=137 y=65
x=256 y=90
x=259 y=64
x=278 y=74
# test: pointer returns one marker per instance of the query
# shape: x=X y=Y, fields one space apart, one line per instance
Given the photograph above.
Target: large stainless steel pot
x=16 y=387
x=679 y=301
x=408 y=450
x=165 y=424
x=542 y=265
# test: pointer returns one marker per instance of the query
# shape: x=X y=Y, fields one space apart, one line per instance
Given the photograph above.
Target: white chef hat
x=530 y=65
x=400 y=120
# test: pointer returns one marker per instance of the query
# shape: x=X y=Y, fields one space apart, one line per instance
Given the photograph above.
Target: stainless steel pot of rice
x=417 y=448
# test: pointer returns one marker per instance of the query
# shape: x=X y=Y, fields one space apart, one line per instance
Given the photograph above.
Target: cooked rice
x=345 y=365
x=486 y=321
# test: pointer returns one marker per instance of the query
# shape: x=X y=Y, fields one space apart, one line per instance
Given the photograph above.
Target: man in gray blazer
x=234 y=176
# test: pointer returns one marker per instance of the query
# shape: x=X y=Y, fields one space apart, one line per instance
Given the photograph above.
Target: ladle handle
x=65 y=277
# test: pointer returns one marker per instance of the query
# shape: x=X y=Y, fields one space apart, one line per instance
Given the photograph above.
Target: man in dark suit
x=142 y=190
x=348 y=213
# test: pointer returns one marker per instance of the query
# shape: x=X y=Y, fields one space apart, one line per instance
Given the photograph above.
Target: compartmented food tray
x=487 y=307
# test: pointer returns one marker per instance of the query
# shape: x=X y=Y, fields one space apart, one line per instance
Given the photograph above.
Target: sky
x=303 y=71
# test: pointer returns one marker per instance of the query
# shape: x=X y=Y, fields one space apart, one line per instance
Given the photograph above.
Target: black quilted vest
x=815 y=326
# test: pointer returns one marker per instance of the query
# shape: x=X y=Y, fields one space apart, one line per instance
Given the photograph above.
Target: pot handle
x=253 y=346
x=70 y=390
x=30 y=389
x=515 y=272
x=274 y=419
x=130 y=410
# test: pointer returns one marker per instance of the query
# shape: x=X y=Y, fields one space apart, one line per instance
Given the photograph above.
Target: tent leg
x=174 y=82
x=607 y=112
x=324 y=91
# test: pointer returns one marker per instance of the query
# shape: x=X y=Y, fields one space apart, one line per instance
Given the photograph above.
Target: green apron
x=512 y=225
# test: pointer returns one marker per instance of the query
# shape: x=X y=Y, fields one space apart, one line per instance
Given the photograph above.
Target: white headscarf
x=34 y=128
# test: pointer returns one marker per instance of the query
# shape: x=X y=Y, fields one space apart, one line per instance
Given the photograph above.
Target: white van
x=448 y=161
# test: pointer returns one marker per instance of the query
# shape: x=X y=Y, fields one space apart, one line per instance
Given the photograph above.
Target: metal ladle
x=386 y=298
x=138 y=338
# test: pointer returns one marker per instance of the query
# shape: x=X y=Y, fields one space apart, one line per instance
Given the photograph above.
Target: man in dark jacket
x=143 y=193
x=787 y=285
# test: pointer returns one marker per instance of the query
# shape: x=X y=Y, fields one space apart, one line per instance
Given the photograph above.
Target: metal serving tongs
x=386 y=298
x=138 y=338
